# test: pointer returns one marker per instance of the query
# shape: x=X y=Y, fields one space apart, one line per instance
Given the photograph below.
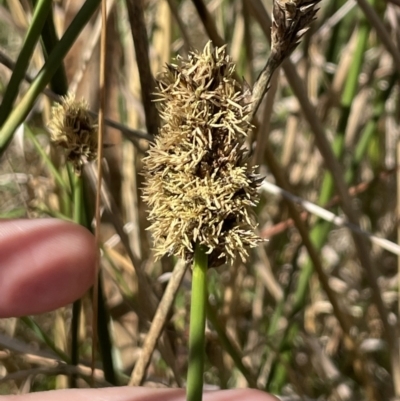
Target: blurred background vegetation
x=310 y=315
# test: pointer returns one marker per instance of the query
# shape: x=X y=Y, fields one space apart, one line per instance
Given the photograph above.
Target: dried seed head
x=291 y=20
x=72 y=128
x=198 y=186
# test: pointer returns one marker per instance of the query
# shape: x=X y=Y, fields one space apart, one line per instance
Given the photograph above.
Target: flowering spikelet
x=291 y=20
x=198 y=186
x=72 y=128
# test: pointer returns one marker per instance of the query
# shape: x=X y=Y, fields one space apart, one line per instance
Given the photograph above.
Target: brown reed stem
x=157 y=325
x=147 y=83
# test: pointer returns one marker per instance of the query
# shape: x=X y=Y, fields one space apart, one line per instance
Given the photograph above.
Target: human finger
x=44 y=264
x=140 y=394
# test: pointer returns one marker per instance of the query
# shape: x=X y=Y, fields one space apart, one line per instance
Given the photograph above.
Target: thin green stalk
x=79 y=213
x=79 y=218
x=18 y=114
x=194 y=391
x=42 y=9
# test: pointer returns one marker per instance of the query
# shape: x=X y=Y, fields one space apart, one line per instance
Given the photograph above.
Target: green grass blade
x=30 y=322
x=59 y=83
x=42 y=9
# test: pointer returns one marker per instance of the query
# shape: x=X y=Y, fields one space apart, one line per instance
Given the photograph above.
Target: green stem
x=194 y=390
x=79 y=218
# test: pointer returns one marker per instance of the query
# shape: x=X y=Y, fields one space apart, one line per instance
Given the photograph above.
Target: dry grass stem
x=157 y=325
x=139 y=35
x=382 y=33
x=97 y=213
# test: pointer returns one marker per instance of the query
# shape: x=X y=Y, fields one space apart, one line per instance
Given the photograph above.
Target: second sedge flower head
x=72 y=128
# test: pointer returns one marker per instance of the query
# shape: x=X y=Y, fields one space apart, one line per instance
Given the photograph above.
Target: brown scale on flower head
x=198 y=186
x=72 y=128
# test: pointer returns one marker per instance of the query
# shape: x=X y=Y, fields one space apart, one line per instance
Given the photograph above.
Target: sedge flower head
x=72 y=127
x=198 y=185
